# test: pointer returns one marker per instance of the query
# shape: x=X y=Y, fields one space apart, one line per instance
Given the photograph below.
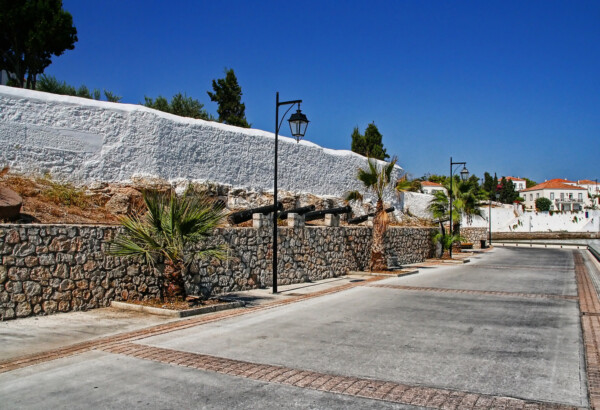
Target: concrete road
x=508 y=344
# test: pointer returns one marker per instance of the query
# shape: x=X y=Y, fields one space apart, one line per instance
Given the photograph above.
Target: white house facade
x=563 y=196
x=431 y=187
x=520 y=184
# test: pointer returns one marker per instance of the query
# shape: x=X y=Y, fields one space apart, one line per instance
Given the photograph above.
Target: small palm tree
x=168 y=232
x=446 y=241
x=376 y=179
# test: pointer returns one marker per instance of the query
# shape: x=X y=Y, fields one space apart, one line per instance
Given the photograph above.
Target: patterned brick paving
x=367 y=388
x=372 y=389
x=476 y=292
x=590 y=323
x=29 y=360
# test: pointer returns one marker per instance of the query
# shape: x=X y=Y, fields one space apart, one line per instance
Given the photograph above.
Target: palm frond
x=353 y=196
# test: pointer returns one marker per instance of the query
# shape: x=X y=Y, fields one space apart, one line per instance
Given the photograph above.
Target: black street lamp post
x=298 y=123
x=464 y=175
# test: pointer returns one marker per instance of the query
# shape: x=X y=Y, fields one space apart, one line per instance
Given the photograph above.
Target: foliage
x=50 y=84
x=370 y=144
x=529 y=183
x=228 y=95
x=112 y=97
x=169 y=230
x=507 y=192
x=181 y=105
x=62 y=193
x=446 y=240
x=466 y=197
x=31 y=32
x=376 y=179
x=543 y=204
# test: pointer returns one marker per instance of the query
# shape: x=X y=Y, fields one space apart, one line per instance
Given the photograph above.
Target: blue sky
x=511 y=87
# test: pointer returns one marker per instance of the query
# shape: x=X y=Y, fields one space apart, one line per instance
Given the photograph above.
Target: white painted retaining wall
x=505 y=220
x=86 y=140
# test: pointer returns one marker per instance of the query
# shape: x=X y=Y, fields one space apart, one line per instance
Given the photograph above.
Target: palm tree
x=465 y=203
x=375 y=180
x=168 y=232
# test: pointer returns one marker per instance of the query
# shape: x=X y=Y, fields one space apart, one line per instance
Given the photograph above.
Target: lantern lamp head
x=298 y=124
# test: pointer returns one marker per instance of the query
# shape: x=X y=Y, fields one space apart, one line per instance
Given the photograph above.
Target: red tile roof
x=428 y=183
x=514 y=179
x=564 y=181
x=587 y=182
x=552 y=184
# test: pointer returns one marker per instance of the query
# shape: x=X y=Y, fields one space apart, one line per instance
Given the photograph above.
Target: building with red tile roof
x=429 y=187
x=565 y=195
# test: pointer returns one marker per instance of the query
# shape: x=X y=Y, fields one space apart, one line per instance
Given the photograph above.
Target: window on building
x=537 y=195
x=570 y=196
x=552 y=196
x=580 y=196
x=562 y=196
x=531 y=197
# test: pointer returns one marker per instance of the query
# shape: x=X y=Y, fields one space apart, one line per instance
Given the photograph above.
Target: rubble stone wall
x=59 y=268
x=474 y=235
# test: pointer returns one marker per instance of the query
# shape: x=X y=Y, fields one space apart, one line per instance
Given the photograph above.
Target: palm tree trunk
x=174 y=285
x=380 y=223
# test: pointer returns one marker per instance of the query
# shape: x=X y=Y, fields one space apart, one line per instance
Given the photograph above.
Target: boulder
x=124 y=201
x=10 y=203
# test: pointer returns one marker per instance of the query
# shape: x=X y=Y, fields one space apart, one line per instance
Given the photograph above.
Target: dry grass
x=46 y=200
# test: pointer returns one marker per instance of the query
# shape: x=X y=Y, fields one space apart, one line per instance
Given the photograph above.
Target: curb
x=392 y=275
x=175 y=313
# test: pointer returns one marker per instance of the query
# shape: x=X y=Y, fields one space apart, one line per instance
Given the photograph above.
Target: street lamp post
x=464 y=174
x=298 y=123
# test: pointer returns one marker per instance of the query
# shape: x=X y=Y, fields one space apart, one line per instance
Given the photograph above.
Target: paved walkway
x=503 y=331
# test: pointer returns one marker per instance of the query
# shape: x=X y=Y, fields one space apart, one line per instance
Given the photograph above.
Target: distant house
x=593 y=188
x=430 y=187
x=565 y=195
x=520 y=184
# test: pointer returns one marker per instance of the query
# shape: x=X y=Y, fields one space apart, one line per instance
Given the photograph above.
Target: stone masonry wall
x=60 y=268
x=474 y=235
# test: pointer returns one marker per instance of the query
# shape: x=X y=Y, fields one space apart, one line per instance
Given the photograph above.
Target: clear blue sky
x=511 y=87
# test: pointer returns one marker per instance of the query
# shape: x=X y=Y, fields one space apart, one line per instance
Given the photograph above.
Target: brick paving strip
x=476 y=292
x=589 y=305
x=29 y=360
x=367 y=388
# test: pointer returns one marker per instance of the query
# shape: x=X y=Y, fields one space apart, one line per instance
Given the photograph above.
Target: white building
x=593 y=188
x=520 y=184
x=562 y=193
x=431 y=187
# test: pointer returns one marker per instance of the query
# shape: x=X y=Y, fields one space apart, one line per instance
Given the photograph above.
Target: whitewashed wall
x=507 y=220
x=85 y=140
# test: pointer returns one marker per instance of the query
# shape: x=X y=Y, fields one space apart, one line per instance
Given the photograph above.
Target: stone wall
x=59 y=268
x=474 y=235
x=304 y=254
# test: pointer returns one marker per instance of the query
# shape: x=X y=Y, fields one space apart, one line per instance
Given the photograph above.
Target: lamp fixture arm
x=288 y=110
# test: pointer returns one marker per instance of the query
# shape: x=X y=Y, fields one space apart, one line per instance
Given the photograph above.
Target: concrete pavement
x=505 y=326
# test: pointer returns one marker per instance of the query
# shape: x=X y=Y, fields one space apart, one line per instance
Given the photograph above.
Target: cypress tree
x=370 y=144
x=228 y=94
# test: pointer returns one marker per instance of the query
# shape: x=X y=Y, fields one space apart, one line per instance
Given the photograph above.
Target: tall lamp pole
x=298 y=123
x=464 y=174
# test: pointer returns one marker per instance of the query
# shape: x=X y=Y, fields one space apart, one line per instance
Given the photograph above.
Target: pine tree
x=374 y=144
x=358 y=142
x=507 y=193
x=228 y=94
x=181 y=105
x=370 y=144
x=31 y=32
